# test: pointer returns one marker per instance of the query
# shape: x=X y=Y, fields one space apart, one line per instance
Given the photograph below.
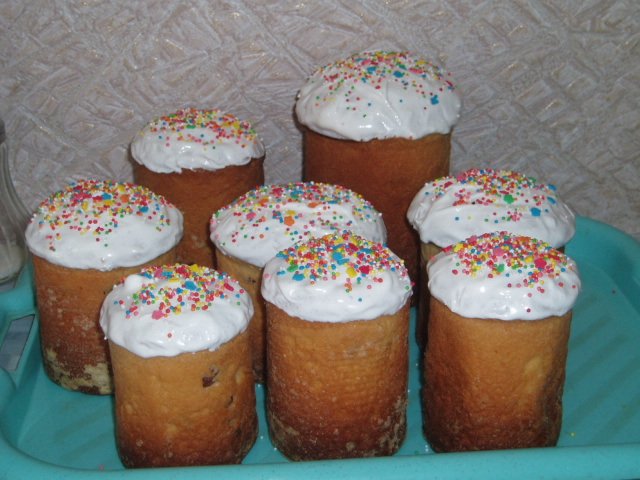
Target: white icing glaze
x=271 y=218
x=103 y=225
x=195 y=139
x=168 y=310
x=505 y=277
x=378 y=95
x=478 y=201
x=340 y=277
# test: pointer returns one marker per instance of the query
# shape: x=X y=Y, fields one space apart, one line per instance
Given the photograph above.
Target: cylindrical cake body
x=388 y=172
x=250 y=277
x=192 y=409
x=493 y=384
x=337 y=390
x=198 y=193
x=74 y=351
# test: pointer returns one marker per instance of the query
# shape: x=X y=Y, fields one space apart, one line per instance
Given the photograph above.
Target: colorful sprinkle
x=488 y=187
x=377 y=67
x=255 y=210
x=189 y=288
x=221 y=127
x=501 y=254
x=343 y=256
x=96 y=207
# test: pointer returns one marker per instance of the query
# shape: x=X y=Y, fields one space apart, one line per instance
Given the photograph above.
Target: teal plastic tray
x=47 y=432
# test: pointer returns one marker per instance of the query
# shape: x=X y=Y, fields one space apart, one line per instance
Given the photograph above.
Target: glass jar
x=13 y=221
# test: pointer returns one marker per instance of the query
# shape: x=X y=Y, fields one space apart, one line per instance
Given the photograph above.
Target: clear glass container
x=13 y=221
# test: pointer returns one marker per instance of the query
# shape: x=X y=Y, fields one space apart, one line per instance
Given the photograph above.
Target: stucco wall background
x=550 y=88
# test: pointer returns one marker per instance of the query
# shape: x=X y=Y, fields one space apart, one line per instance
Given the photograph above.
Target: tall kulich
x=201 y=160
x=379 y=123
x=337 y=348
x=84 y=239
x=257 y=225
x=497 y=343
x=450 y=209
x=184 y=390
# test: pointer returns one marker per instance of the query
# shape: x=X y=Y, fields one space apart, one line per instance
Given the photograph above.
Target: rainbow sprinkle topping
x=498 y=186
x=96 y=207
x=378 y=67
x=186 y=125
x=270 y=203
x=500 y=254
x=345 y=257
x=179 y=288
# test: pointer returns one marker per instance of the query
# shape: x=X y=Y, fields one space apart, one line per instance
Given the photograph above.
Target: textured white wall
x=550 y=88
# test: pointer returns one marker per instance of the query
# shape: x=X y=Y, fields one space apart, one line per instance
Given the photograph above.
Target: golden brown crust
x=191 y=409
x=427 y=250
x=198 y=194
x=492 y=384
x=250 y=278
x=388 y=173
x=74 y=350
x=337 y=390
